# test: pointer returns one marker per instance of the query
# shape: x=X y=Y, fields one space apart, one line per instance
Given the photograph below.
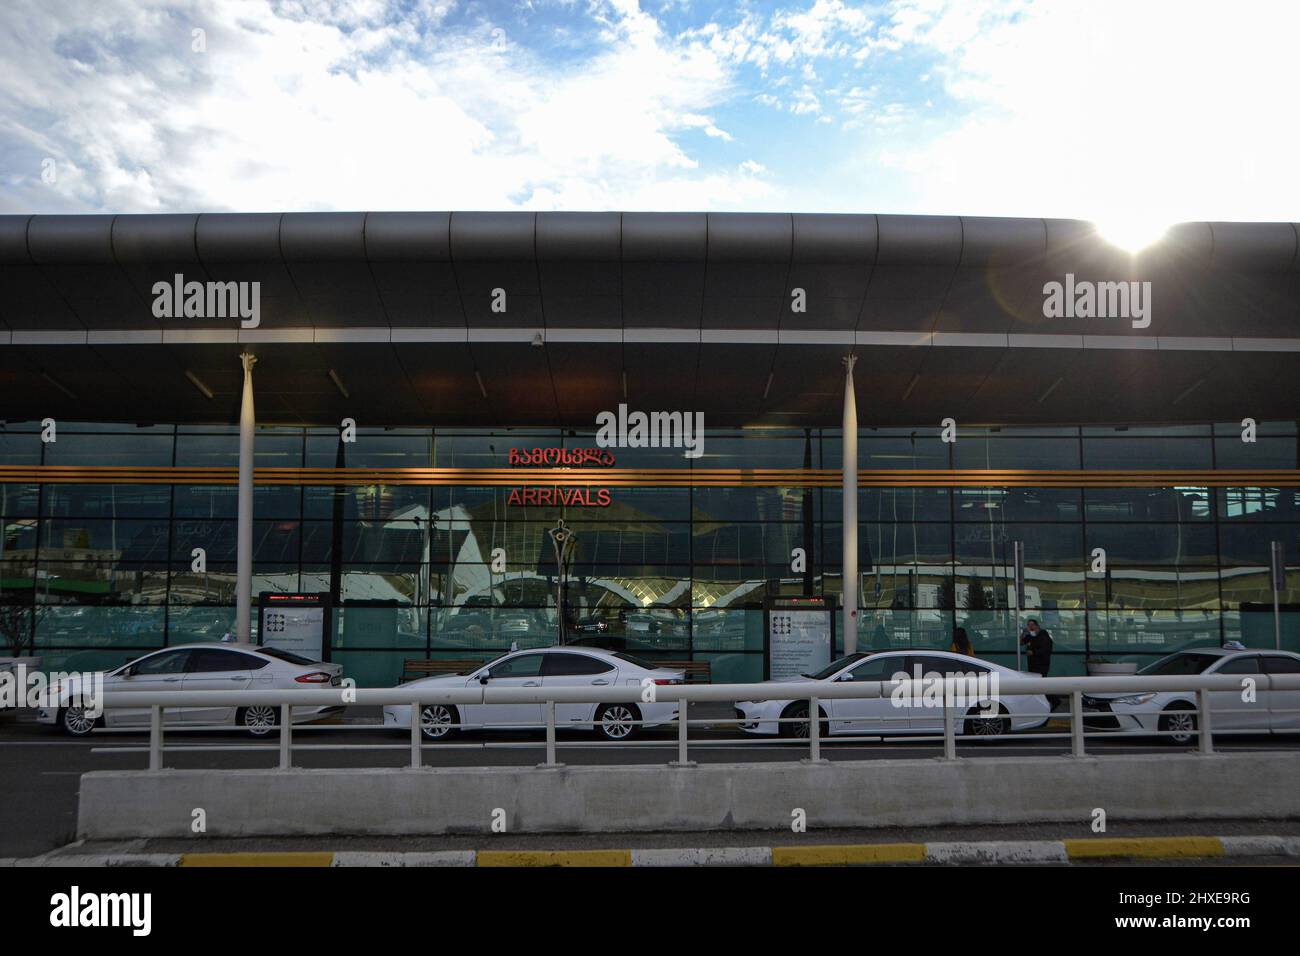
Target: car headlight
x=1134 y=699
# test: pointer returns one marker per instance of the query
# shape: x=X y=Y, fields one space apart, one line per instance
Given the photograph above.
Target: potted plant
x=1098 y=666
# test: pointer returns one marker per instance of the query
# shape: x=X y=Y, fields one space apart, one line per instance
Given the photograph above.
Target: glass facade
x=94 y=573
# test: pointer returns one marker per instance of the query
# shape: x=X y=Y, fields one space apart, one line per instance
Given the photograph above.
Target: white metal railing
x=685 y=694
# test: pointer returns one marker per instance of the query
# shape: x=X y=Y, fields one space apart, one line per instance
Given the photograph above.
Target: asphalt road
x=40 y=769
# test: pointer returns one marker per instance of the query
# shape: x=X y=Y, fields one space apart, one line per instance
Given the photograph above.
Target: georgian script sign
x=557 y=495
x=561 y=457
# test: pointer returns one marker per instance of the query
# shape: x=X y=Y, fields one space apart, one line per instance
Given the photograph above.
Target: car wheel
x=617 y=721
x=977 y=725
x=75 y=723
x=259 y=720
x=436 y=721
x=797 y=713
x=1178 y=729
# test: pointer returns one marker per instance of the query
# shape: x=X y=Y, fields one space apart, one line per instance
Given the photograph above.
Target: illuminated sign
x=556 y=495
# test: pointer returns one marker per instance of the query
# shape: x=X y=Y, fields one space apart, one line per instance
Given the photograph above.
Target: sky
x=1132 y=114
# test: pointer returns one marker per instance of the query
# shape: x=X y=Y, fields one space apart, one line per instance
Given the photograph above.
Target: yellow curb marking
x=554 y=857
x=848 y=854
x=1144 y=847
x=257 y=859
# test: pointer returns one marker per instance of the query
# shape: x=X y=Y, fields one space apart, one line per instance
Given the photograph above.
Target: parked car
x=205 y=666
x=882 y=715
x=546 y=667
x=1276 y=711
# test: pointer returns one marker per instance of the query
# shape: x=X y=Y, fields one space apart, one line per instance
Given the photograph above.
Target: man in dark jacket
x=1039 y=644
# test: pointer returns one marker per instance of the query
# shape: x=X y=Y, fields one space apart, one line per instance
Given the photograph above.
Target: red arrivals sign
x=555 y=495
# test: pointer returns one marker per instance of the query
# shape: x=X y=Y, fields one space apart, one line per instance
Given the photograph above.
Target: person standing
x=961 y=643
x=1039 y=644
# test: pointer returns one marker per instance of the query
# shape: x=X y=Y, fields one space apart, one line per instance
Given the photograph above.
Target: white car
x=884 y=715
x=545 y=668
x=1272 y=711
x=207 y=666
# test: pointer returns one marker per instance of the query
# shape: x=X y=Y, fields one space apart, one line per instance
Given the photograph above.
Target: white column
x=850 y=508
x=244 y=547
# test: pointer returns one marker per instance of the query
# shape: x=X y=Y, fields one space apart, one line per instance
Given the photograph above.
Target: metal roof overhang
x=666 y=311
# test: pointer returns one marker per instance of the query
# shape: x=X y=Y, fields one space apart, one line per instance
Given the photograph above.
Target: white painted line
x=48 y=337
x=661 y=335
x=435 y=858
x=891 y=338
x=433 y=334
x=740 y=336
x=1000 y=851
x=325 y=335
x=817 y=337
x=104 y=859
x=969 y=340
x=705 y=856
x=1260 y=845
x=1120 y=342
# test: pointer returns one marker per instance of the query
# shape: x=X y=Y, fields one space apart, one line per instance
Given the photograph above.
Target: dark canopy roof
x=662 y=310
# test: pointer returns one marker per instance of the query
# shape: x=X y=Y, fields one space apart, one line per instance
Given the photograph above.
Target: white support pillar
x=850 y=508
x=244 y=544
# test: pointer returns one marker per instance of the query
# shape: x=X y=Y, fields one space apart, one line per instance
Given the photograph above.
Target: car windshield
x=834 y=666
x=1181 y=663
x=287 y=656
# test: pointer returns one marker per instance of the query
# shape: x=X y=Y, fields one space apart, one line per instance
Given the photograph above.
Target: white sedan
x=1169 y=712
x=208 y=666
x=549 y=667
x=887 y=715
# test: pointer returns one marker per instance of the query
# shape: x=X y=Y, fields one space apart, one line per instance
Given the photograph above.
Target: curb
x=1062 y=852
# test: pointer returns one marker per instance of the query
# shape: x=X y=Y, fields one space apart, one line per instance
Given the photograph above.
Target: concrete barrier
x=877 y=793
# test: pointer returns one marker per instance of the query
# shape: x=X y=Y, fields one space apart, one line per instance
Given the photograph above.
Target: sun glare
x=1131 y=234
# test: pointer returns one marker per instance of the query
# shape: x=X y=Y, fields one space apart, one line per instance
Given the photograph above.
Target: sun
x=1131 y=233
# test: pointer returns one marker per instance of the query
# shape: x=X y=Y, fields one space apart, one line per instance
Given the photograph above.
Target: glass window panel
x=996 y=452
x=1263 y=452
x=385 y=627
x=89 y=582
x=191 y=624
x=20 y=447
x=1238 y=505
x=398 y=583
x=222 y=501
x=1154 y=545
x=19 y=537
x=107 y=501
x=1150 y=631
x=126 y=449
x=222 y=451
x=1017 y=504
x=20 y=501
x=1138 y=451
x=1169 y=587
x=90 y=626
x=372 y=449
x=1149 y=504
x=727 y=629
x=99 y=540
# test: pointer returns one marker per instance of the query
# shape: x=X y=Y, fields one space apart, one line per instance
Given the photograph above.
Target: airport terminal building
x=435 y=394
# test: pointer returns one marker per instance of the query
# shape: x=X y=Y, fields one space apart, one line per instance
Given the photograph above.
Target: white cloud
x=336 y=105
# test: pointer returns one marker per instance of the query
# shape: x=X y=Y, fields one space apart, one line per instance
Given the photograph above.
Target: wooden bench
x=696 y=672
x=414 y=668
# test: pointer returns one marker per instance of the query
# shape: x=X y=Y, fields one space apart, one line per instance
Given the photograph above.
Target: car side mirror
x=129 y=672
x=483 y=678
